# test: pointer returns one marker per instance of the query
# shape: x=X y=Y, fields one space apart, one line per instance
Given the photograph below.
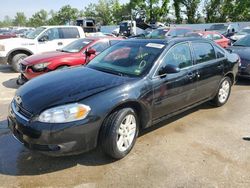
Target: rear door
x=174 y=91
x=67 y=35
x=209 y=67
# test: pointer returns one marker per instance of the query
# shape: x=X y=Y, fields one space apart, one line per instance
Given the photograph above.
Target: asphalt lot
x=200 y=148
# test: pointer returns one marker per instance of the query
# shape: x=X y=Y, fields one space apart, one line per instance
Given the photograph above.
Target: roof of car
x=103 y=38
x=207 y=32
x=165 y=41
x=56 y=26
x=174 y=28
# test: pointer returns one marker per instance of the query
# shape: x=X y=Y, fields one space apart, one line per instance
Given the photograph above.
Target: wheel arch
x=231 y=76
x=13 y=52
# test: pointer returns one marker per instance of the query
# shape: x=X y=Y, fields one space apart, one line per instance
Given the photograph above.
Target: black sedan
x=242 y=48
x=129 y=87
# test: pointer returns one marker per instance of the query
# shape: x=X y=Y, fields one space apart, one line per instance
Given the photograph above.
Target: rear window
x=203 y=52
x=69 y=33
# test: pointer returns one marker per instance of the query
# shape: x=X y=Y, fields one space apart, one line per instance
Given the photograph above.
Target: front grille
x=23 y=67
x=22 y=111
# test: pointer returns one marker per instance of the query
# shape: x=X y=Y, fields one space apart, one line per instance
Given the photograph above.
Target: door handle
x=59 y=43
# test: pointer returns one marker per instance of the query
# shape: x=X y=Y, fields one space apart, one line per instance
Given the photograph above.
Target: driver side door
x=174 y=91
x=49 y=41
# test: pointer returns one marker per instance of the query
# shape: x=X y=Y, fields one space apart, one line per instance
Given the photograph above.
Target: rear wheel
x=223 y=92
x=119 y=133
x=16 y=61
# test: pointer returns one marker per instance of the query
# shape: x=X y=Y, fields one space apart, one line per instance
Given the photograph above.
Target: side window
x=69 y=33
x=219 y=52
x=216 y=37
x=203 y=52
x=209 y=36
x=52 y=34
x=100 y=46
x=179 y=56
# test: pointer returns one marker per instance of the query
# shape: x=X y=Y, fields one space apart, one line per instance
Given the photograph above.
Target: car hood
x=66 y=86
x=243 y=52
x=45 y=57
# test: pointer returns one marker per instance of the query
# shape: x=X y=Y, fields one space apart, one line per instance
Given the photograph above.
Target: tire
x=16 y=60
x=115 y=139
x=223 y=92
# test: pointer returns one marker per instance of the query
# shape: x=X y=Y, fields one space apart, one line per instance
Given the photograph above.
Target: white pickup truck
x=43 y=39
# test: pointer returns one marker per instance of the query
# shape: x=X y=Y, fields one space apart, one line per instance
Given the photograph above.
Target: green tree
x=156 y=10
x=65 y=15
x=20 y=19
x=177 y=10
x=38 y=19
x=7 y=22
x=191 y=10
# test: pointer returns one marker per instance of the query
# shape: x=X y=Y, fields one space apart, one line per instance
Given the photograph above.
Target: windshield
x=243 y=42
x=77 y=45
x=130 y=58
x=218 y=27
x=244 y=31
x=158 y=33
x=35 y=33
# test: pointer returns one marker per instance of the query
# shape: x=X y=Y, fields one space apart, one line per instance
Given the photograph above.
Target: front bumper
x=54 y=139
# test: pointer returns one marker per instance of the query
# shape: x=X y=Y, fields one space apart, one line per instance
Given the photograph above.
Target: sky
x=29 y=7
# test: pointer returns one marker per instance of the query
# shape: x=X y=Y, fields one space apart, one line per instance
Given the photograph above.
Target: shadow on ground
x=11 y=84
x=6 y=69
x=15 y=159
x=243 y=82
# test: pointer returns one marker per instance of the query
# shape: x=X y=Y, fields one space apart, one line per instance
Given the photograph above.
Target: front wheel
x=16 y=61
x=223 y=93
x=119 y=133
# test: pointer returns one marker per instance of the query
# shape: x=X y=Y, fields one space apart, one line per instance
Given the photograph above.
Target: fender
x=18 y=49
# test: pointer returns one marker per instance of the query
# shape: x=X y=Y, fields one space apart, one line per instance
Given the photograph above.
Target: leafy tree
x=191 y=9
x=156 y=10
x=7 y=22
x=20 y=19
x=38 y=19
x=65 y=15
x=177 y=10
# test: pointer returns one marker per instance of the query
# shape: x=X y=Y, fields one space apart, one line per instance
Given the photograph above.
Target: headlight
x=2 y=47
x=41 y=66
x=65 y=113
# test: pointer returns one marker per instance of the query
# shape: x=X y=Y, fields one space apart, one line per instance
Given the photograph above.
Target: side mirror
x=168 y=69
x=44 y=38
x=90 y=52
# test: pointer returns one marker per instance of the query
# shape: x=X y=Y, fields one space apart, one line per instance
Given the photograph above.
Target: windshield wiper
x=110 y=71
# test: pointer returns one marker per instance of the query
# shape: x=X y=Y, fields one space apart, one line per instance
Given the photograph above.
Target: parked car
x=242 y=48
x=245 y=31
x=168 y=32
x=43 y=39
x=212 y=35
x=226 y=30
x=7 y=35
x=128 y=87
x=76 y=53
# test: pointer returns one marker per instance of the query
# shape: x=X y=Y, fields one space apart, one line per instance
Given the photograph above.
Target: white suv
x=43 y=39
